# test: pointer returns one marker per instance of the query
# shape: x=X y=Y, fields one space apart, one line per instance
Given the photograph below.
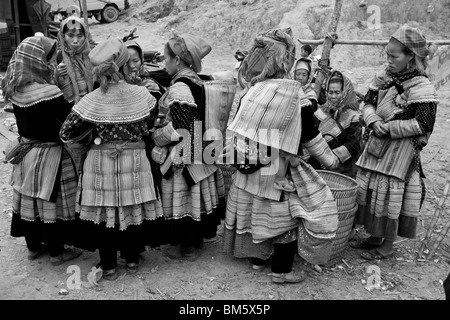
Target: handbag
x=377 y=146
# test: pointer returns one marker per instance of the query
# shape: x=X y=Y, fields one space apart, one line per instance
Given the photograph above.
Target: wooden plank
x=85 y=13
x=366 y=42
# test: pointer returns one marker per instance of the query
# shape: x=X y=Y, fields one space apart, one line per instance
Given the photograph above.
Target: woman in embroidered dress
x=339 y=123
x=74 y=71
x=193 y=193
x=116 y=194
x=261 y=220
x=43 y=177
x=400 y=111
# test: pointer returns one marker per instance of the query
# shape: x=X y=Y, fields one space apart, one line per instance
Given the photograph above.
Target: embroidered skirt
x=62 y=207
x=28 y=211
x=388 y=206
x=117 y=187
x=179 y=200
x=193 y=212
x=253 y=224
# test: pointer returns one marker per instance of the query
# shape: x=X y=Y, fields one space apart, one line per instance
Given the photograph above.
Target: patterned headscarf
x=30 y=63
x=107 y=57
x=349 y=98
x=413 y=39
x=78 y=57
x=272 y=54
x=190 y=49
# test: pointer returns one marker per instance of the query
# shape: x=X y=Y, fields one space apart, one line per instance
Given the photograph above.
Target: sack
x=376 y=146
x=15 y=151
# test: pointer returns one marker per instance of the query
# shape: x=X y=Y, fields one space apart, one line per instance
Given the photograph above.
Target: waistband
x=39 y=143
x=118 y=146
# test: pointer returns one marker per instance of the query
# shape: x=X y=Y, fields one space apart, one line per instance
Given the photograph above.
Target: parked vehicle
x=103 y=10
x=240 y=55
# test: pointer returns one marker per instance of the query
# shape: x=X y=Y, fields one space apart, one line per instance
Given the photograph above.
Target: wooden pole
x=85 y=13
x=327 y=45
x=366 y=42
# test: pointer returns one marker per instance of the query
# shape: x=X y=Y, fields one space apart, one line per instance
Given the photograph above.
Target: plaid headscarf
x=413 y=39
x=273 y=53
x=78 y=57
x=29 y=63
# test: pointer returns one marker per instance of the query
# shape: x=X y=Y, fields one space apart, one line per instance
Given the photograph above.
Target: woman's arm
x=182 y=119
x=422 y=123
x=351 y=146
x=75 y=129
x=370 y=106
x=313 y=141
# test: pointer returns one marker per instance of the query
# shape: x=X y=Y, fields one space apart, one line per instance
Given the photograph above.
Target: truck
x=102 y=10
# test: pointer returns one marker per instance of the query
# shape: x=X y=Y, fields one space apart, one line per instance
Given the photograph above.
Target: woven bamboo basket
x=344 y=191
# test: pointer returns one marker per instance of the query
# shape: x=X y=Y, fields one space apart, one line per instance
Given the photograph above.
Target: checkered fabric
x=413 y=39
x=28 y=64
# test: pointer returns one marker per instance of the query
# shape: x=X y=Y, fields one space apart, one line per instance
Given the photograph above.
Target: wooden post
x=328 y=42
x=85 y=13
x=366 y=42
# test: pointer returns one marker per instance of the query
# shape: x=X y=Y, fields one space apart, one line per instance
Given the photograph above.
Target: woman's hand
x=61 y=70
x=380 y=128
x=150 y=85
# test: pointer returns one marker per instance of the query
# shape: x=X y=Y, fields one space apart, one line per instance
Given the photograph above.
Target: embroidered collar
x=34 y=93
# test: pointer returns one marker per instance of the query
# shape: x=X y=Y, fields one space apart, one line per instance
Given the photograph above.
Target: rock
x=63 y=292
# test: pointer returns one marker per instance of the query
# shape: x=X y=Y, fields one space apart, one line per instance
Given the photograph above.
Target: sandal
x=67 y=255
x=363 y=244
x=110 y=275
x=375 y=255
x=258 y=267
x=290 y=277
x=132 y=267
x=33 y=255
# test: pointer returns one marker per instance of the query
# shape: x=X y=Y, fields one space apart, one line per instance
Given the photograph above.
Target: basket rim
x=340 y=176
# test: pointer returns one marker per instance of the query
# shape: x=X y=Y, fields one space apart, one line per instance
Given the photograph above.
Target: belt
x=118 y=146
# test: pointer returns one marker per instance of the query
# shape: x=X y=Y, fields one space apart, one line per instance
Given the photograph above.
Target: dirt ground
x=219 y=276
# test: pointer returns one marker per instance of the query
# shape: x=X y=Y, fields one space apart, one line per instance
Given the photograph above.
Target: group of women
x=99 y=163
